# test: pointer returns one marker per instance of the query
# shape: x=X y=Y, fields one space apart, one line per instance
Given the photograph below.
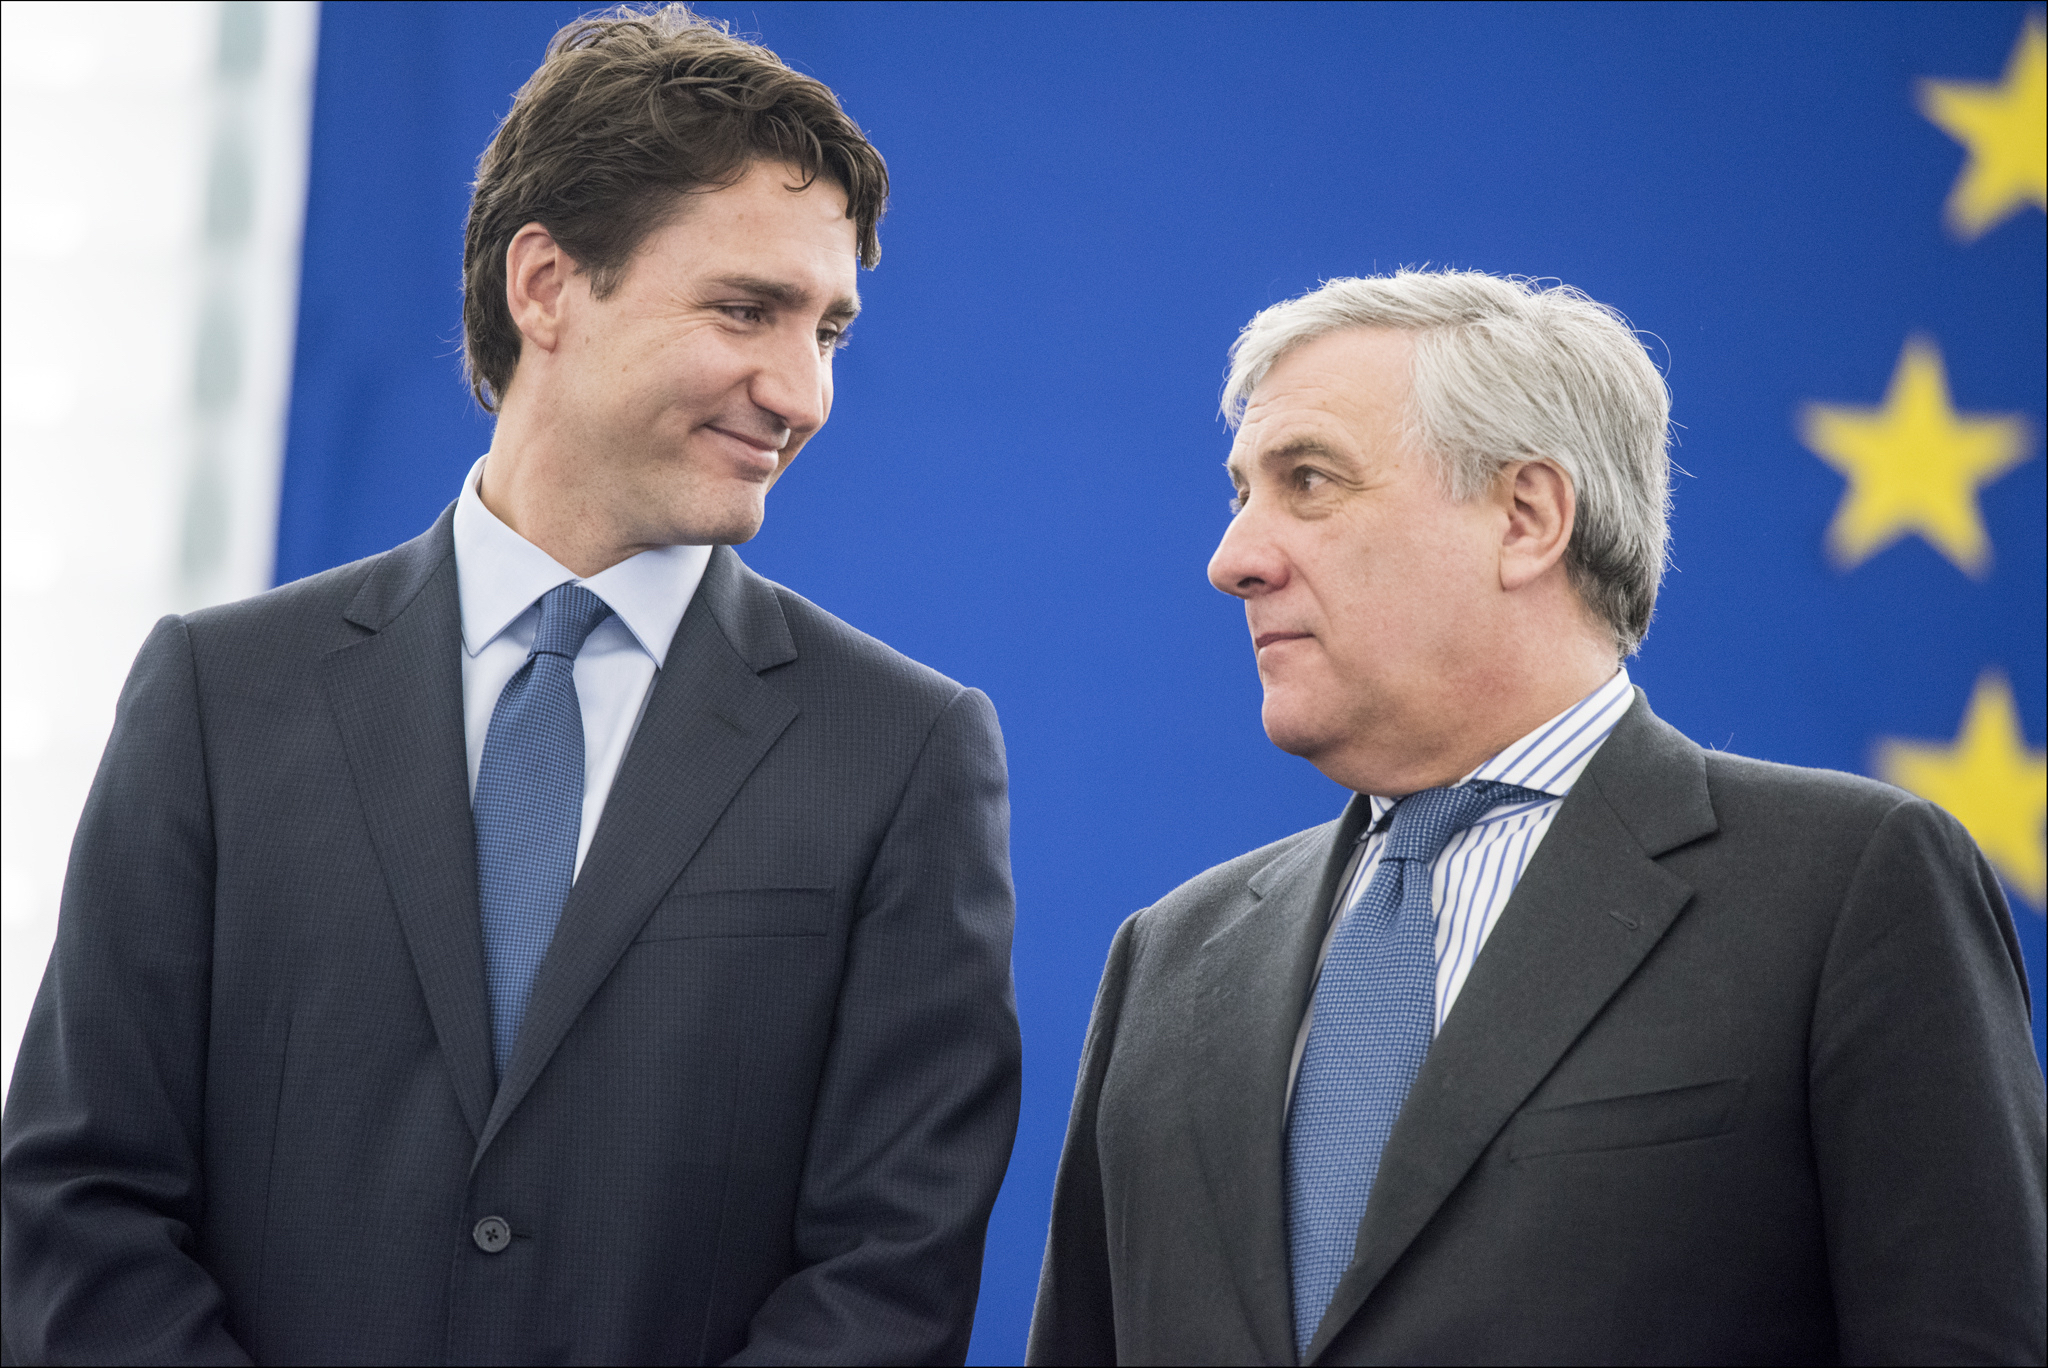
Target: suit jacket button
x=492 y=1234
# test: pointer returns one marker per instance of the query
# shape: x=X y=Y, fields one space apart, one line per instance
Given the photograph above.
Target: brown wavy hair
x=631 y=110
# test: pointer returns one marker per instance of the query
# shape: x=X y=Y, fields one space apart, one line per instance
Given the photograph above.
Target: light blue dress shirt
x=501 y=575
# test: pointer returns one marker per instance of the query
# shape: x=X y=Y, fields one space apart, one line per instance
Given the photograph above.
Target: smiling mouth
x=765 y=448
x=762 y=458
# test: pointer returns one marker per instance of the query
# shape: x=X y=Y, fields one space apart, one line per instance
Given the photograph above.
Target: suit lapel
x=397 y=701
x=1252 y=988
x=1591 y=907
x=708 y=723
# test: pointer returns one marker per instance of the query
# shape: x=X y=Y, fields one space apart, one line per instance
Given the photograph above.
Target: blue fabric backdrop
x=1021 y=483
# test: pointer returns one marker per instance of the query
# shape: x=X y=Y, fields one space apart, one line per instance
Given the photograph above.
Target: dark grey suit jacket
x=766 y=1087
x=1743 y=1075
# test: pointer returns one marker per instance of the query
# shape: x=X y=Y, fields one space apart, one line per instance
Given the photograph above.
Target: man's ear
x=537 y=274
x=1541 y=510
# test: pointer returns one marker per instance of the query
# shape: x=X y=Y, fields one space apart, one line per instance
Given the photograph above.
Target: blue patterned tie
x=1375 y=1016
x=529 y=808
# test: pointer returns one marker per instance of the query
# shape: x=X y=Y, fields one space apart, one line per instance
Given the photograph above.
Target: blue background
x=1021 y=481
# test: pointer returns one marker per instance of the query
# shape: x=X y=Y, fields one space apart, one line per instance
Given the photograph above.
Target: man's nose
x=1248 y=562
x=794 y=383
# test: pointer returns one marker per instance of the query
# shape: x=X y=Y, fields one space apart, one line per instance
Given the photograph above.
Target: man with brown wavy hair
x=548 y=941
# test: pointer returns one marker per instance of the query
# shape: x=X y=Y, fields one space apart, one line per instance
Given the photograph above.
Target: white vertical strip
x=109 y=120
x=260 y=104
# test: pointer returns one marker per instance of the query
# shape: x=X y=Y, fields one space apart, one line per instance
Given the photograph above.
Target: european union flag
x=1827 y=221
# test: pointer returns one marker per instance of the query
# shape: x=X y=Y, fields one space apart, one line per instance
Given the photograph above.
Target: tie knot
x=569 y=613
x=1424 y=822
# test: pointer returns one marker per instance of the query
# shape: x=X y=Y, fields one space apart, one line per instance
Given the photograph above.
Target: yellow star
x=1913 y=465
x=1989 y=780
x=2005 y=127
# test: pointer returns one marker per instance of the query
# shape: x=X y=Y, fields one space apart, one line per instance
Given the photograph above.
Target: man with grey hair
x=1568 y=1041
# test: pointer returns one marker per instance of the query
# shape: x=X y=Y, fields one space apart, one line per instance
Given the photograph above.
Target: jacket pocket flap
x=1609 y=1123
x=740 y=912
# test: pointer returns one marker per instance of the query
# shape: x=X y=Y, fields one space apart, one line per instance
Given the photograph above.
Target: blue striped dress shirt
x=1471 y=881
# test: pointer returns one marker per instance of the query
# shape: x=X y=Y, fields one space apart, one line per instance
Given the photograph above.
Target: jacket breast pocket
x=733 y=912
x=1630 y=1122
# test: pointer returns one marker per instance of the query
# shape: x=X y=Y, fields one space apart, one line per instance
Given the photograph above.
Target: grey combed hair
x=1507 y=369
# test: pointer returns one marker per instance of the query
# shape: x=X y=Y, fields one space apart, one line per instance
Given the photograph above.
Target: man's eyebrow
x=1296 y=447
x=788 y=296
x=1292 y=449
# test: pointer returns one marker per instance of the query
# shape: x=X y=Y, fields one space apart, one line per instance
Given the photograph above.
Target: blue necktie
x=1375 y=1016
x=529 y=808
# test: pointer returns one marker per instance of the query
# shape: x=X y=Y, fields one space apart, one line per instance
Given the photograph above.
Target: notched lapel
x=1253 y=987
x=710 y=721
x=1551 y=964
x=397 y=701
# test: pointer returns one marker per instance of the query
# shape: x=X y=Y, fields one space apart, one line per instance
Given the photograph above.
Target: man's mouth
x=760 y=451
x=1265 y=639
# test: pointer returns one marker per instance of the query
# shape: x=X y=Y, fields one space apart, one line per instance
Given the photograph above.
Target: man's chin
x=736 y=532
x=1291 y=731
x=740 y=519
x=727 y=526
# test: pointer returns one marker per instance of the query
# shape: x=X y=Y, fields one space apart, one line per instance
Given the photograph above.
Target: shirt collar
x=499 y=575
x=1551 y=758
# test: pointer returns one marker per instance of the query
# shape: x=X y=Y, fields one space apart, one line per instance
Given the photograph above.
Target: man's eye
x=1237 y=501
x=742 y=313
x=831 y=339
x=1306 y=478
